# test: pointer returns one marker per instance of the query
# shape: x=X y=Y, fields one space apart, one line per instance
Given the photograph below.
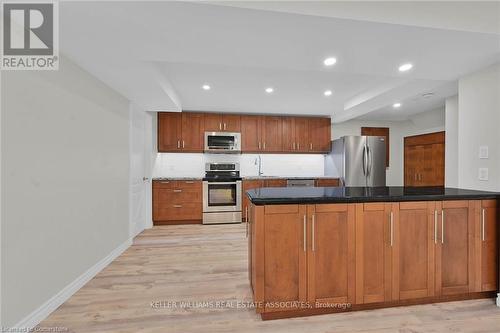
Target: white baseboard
x=35 y=317
x=498 y=300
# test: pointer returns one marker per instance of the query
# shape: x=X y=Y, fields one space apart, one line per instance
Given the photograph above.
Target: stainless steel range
x=222 y=193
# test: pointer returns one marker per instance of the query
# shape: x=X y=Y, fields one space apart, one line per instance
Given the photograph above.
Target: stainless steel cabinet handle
x=189 y=182
x=483 y=224
x=177 y=206
x=311 y=146
x=298 y=145
x=224 y=126
x=294 y=146
x=183 y=143
x=392 y=228
x=442 y=226
x=177 y=191
x=416 y=177
x=178 y=144
x=220 y=126
x=246 y=219
x=305 y=226
x=165 y=182
x=264 y=145
x=259 y=144
x=312 y=232
x=435 y=226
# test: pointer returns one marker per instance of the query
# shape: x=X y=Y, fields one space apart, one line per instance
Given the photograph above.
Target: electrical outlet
x=483 y=152
x=483 y=174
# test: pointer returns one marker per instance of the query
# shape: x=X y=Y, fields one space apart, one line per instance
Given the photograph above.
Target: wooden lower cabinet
x=331 y=254
x=371 y=254
x=177 y=202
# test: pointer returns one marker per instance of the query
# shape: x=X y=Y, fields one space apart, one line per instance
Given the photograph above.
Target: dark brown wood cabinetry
x=424 y=160
x=176 y=202
x=248 y=185
x=373 y=254
x=184 y=132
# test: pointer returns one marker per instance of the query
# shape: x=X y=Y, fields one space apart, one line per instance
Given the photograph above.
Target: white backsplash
x=283 y=165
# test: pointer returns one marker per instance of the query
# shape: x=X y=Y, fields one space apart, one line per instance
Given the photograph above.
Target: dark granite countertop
x=312 y=195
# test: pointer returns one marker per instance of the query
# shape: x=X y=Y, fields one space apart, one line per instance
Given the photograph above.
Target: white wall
x=65 y=177
x=451 y=146
x=193 y=165
x=427 y=122
x=478 y=122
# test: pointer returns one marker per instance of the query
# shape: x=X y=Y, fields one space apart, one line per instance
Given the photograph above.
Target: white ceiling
x=159 y=54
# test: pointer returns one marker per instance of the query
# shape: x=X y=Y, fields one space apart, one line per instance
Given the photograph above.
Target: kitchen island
x=331 y=249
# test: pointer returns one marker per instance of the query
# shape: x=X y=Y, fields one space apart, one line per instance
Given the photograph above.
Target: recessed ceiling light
x=206 y=87
x=327 y=93
x=405 y=67
x=269 y=90
x=396 y=105
x=330 y=61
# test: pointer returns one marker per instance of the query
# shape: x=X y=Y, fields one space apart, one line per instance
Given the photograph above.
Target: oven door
x=221 y=196
x=222 y=142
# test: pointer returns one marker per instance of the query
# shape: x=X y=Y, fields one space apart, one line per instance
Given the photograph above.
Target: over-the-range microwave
x=222 y=142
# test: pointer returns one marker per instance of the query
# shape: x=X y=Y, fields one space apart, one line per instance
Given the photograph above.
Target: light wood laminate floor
x=209 y=263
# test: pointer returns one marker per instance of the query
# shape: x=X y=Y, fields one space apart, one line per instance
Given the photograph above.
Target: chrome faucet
x=258 y=161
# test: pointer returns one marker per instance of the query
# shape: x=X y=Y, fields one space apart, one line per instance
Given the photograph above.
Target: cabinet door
x=289 y=144
x=319 y=135
x=248 y=185
x=169 y=131
x=231 y=123
x=374 y=252
x=487 y=239
x=213 y=122
x=331 y=257
x=285 y=248
x=454 y=261
x=414 y=244
x=275 y=183
x=272 y=134
x=327 y=182
x=192 y=132
x=250 y=133
x=302 y=134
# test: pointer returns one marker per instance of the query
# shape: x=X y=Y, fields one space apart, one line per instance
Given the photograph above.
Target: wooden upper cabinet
x=487 y=245
x=319 y=135
x=271 y=131
x=216 y=122
x=250 y=136
x=285 y=269
x=331 y=255
x=302 y=134
x=231 y=123
x=374 y=250
x=288 y=130
x=213 y=122
x=379 y=131
x=414 y=250
x=169 y=131
x=424 y=160
x=454 y=251
x=192 y=132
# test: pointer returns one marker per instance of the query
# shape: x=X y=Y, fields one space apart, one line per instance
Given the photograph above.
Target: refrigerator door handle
x=365 y=158
x=369 y=160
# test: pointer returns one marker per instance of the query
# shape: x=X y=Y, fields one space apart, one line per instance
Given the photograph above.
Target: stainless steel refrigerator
x=357 y=160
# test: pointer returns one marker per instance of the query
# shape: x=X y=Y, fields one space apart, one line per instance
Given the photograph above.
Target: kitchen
x=253 y=166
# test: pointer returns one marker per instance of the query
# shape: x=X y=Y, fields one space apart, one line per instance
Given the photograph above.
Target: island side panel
x=257 y=254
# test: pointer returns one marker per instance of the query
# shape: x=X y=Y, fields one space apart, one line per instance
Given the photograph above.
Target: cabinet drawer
x=174 y=212
x=179 y=196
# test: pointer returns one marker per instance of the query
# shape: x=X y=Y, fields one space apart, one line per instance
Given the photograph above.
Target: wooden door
x=285 y=248
x=213 y=122
x=320 y=133
x=454 y=257
x=192 y=132
x=374 y=251
x=486 y=231
x=331 y=257
x=248 y=185
x=414 y=245
x=289 y=144
x=250 y=133
x=424 y=159
x=301 y=134
x=231 y=123
x=272 y=134
x=379 y=131
x=169 y=131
